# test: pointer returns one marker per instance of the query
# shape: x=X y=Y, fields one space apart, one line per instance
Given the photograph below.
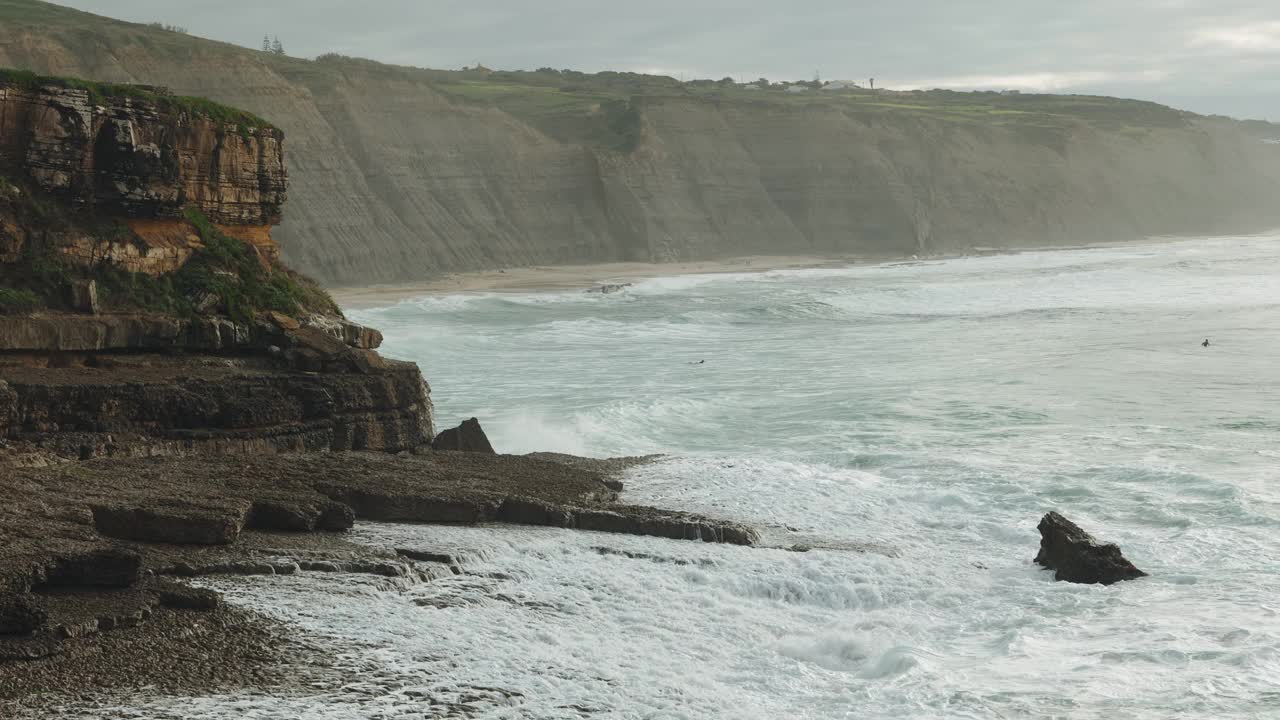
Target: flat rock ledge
x=1076 y=556
x=96 y=546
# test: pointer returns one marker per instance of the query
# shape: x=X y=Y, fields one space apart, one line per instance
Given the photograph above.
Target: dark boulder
x=336 y=517
x=107 y=568
x=29 y=649
x=433 y=556
x=282 y=516
x=20 y=617
x=467 y=437
x=631 y=520
x=524 y=511
x=288 y=516
x=413 y=508
x=184 y=597
x=1075 y=556
x=172 y=523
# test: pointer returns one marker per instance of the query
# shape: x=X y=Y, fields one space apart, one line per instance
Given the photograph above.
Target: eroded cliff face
x=128 y=385
x=222 y=348
x=131 y=157
x=143 y=161
x=395 y=180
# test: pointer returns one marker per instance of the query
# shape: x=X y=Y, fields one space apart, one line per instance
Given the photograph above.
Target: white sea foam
x=910 y=422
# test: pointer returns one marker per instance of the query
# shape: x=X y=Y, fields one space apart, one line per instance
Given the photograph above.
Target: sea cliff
x=401 y=174
x=144 y=307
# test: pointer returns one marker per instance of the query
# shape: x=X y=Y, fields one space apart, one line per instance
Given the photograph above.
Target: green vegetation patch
x=224 y=277
x=15 y=301
x=100 y=93
x=570 y=114
x=229 y=270
x=602 y=107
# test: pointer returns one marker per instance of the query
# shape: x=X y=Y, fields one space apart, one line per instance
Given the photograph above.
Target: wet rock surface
x=94 y=552
x=172 y=522
x=609 y=288
x=288 y=516
x=1076 y=556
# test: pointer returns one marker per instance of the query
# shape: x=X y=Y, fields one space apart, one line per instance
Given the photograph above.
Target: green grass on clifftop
x=602 y=109
x=101 y=93
x=550 y=98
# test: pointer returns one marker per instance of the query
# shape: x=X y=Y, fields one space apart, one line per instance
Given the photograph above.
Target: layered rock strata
x=140 y=156
x=145 y=158
x=142 y=385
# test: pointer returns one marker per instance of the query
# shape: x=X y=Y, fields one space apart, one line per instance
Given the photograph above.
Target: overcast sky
x=1213 y=56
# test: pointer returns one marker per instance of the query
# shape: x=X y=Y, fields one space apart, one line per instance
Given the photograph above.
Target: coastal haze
x=398 y=174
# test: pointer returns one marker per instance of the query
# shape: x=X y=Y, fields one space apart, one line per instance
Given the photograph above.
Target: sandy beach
x=568 y=277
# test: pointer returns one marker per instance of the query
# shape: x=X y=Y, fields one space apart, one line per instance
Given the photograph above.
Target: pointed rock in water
x=467 y=437
x=1077 y=557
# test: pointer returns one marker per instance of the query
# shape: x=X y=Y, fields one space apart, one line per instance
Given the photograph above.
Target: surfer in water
x=1205 y=343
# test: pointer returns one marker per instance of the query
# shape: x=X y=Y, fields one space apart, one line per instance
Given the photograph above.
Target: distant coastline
x=571 y=277
x=558 y=278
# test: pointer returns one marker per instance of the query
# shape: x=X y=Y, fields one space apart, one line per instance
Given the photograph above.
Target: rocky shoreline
x=96 y=552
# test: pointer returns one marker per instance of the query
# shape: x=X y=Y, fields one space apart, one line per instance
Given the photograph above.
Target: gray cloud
x=1206 y=55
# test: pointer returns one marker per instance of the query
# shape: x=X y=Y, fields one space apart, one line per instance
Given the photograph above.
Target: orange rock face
x=258 y=236
x=143 y=163
x=132 y=158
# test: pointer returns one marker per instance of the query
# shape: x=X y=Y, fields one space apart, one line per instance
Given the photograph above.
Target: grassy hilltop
x=602 y=107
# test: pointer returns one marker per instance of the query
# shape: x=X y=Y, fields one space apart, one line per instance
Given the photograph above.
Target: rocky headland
x=176 y=402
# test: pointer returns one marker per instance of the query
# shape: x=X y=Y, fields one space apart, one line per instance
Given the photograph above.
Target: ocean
x=909 y=421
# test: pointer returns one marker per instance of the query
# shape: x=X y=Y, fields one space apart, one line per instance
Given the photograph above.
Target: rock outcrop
x=467 y=437
x=1075 y=556
x=125 y=385
x=174 y=522
x=138 y=153
x=145 y=157
x=197 y=187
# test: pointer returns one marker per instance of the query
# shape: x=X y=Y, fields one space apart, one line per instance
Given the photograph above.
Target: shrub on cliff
x=14 y=301
x=225 y=276
x=242 y=282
